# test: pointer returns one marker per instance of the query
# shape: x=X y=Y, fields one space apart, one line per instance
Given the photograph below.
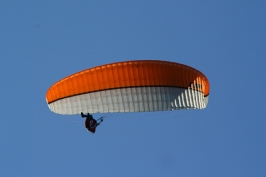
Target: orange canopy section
x=138 y=73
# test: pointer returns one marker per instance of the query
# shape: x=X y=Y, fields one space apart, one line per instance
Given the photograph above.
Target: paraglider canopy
x=130 y=86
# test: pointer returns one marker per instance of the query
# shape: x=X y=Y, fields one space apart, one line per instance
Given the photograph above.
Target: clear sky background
x=44 y=41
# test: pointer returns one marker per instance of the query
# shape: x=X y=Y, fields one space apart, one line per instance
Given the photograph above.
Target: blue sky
x=44 y=41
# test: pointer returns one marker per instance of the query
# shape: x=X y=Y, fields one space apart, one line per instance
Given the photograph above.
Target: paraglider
x=130 y=86
x=90 y=122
